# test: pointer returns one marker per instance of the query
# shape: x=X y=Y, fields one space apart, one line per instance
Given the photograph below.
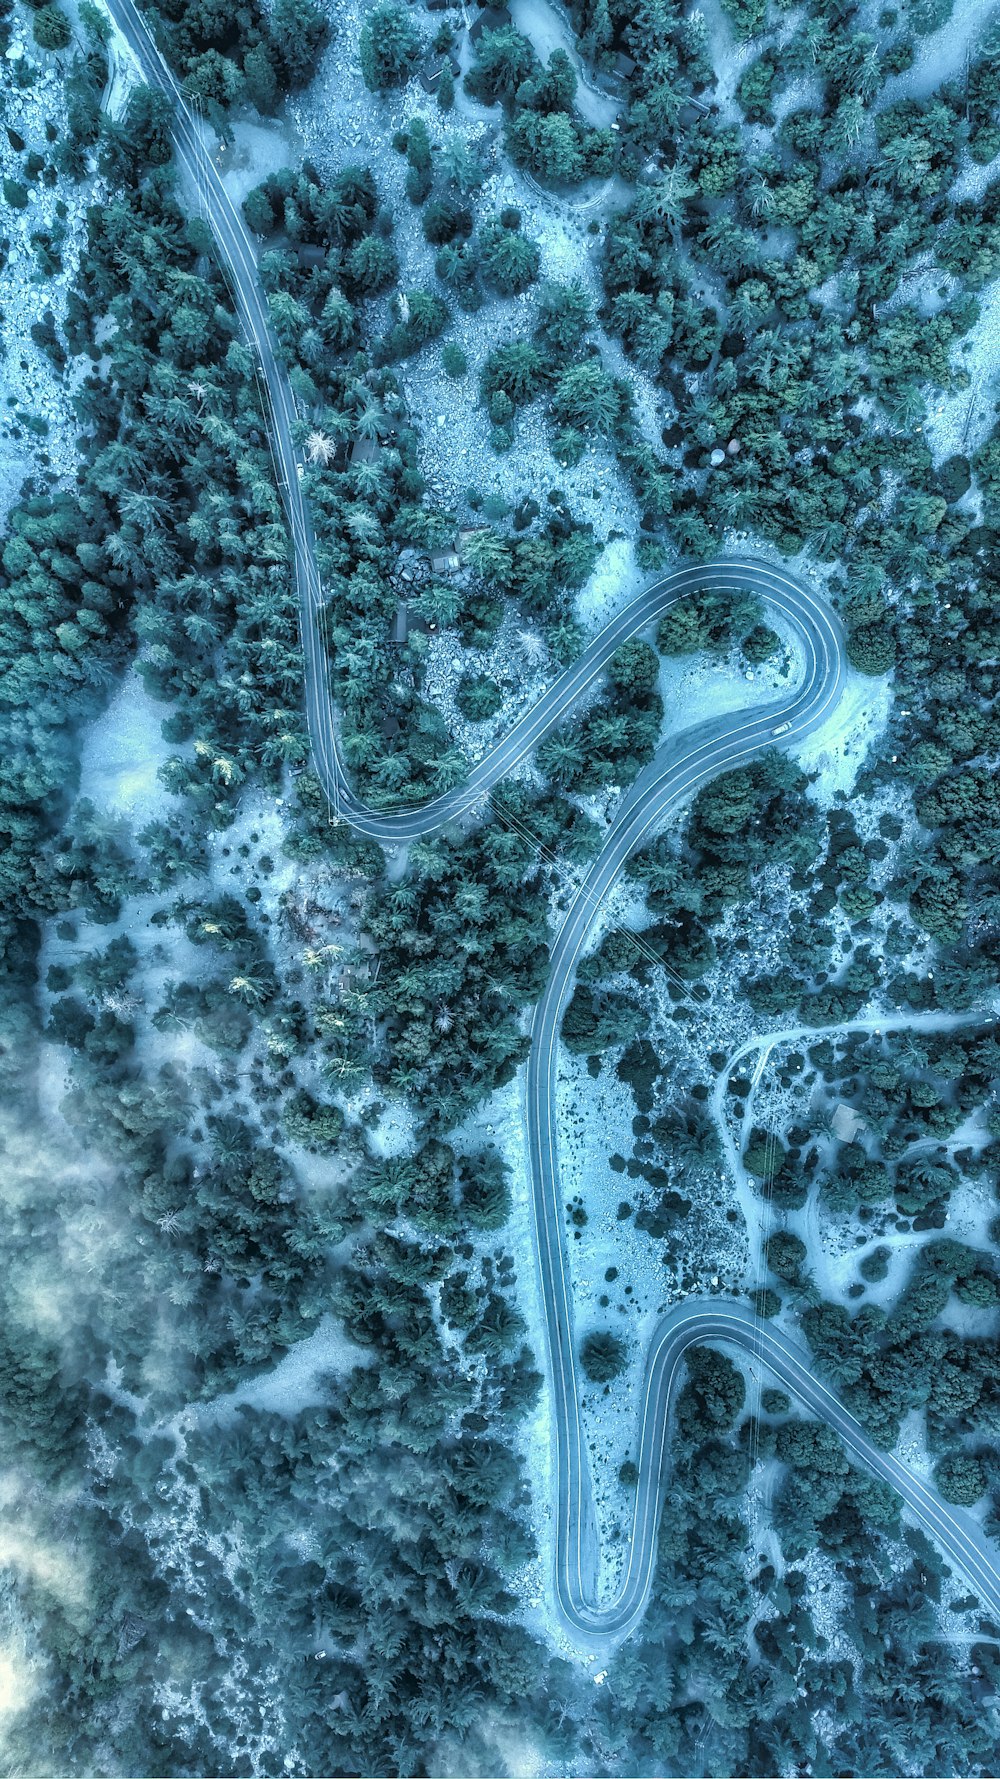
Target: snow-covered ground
x=257 y=149
x=297 y=1381
x=911 y=1446
x=595 y=1121
x=697 y=687
x=960 y=420
x=837 y=751
x=547 y=28
x=730 y=59
x=616 y=579
x=395 y=1132
x=517 y=662
x=944 y=54
x=122 y=753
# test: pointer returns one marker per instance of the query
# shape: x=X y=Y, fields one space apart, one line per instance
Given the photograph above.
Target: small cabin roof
x=365 y=451
x=432 y=69
x=846 y=1122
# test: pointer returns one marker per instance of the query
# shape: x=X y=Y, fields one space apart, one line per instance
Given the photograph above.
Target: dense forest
x=214 y=1019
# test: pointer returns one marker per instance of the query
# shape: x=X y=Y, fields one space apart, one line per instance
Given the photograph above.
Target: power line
x=590 y=897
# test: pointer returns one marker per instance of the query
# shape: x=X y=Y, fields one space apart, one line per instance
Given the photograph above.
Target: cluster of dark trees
x=179 y=477
x=442 y=180
x=618 y=735
x=557 y=362
x=779 y=371
x=405 y=1460
x=657 y=57
x=780 y=376
x=947 y=898
x=545 y=133
x=754 y=816
x=944 y=1077
x=939 y=741
x=218 y=1224
x=463 y=942
x=389 y=47
x=912 y=1093
x=229 y=56
x=63 y=610
x=712 y=622
x=885 y=1363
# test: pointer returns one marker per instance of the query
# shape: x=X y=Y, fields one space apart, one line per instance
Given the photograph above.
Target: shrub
x=961 y=1478
x=603 y=1356
x=372 y=265
x=445 y=219
x=315 y=1125
x=478 y=697
x=764 y=1154
x=453 y=360
x=786 y=1254
x=766 y=1303
x=761 y=644
x=875 y=1266
x=51 y=28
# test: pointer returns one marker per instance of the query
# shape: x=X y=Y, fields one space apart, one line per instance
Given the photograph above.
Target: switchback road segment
x=684 y=763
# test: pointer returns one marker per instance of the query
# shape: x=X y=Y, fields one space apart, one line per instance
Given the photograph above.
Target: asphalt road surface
x=682 y=765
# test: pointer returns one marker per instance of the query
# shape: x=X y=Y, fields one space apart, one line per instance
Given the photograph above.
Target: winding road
x=681 y=766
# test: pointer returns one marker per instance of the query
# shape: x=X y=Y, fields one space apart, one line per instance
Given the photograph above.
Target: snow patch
x=122 y=753
x=837 y=751
x=297 y=1382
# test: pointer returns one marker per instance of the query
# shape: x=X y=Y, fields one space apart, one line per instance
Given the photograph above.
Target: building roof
x=846 y=1122
x=432 y=69
x=492 y=18
x=365 y=451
